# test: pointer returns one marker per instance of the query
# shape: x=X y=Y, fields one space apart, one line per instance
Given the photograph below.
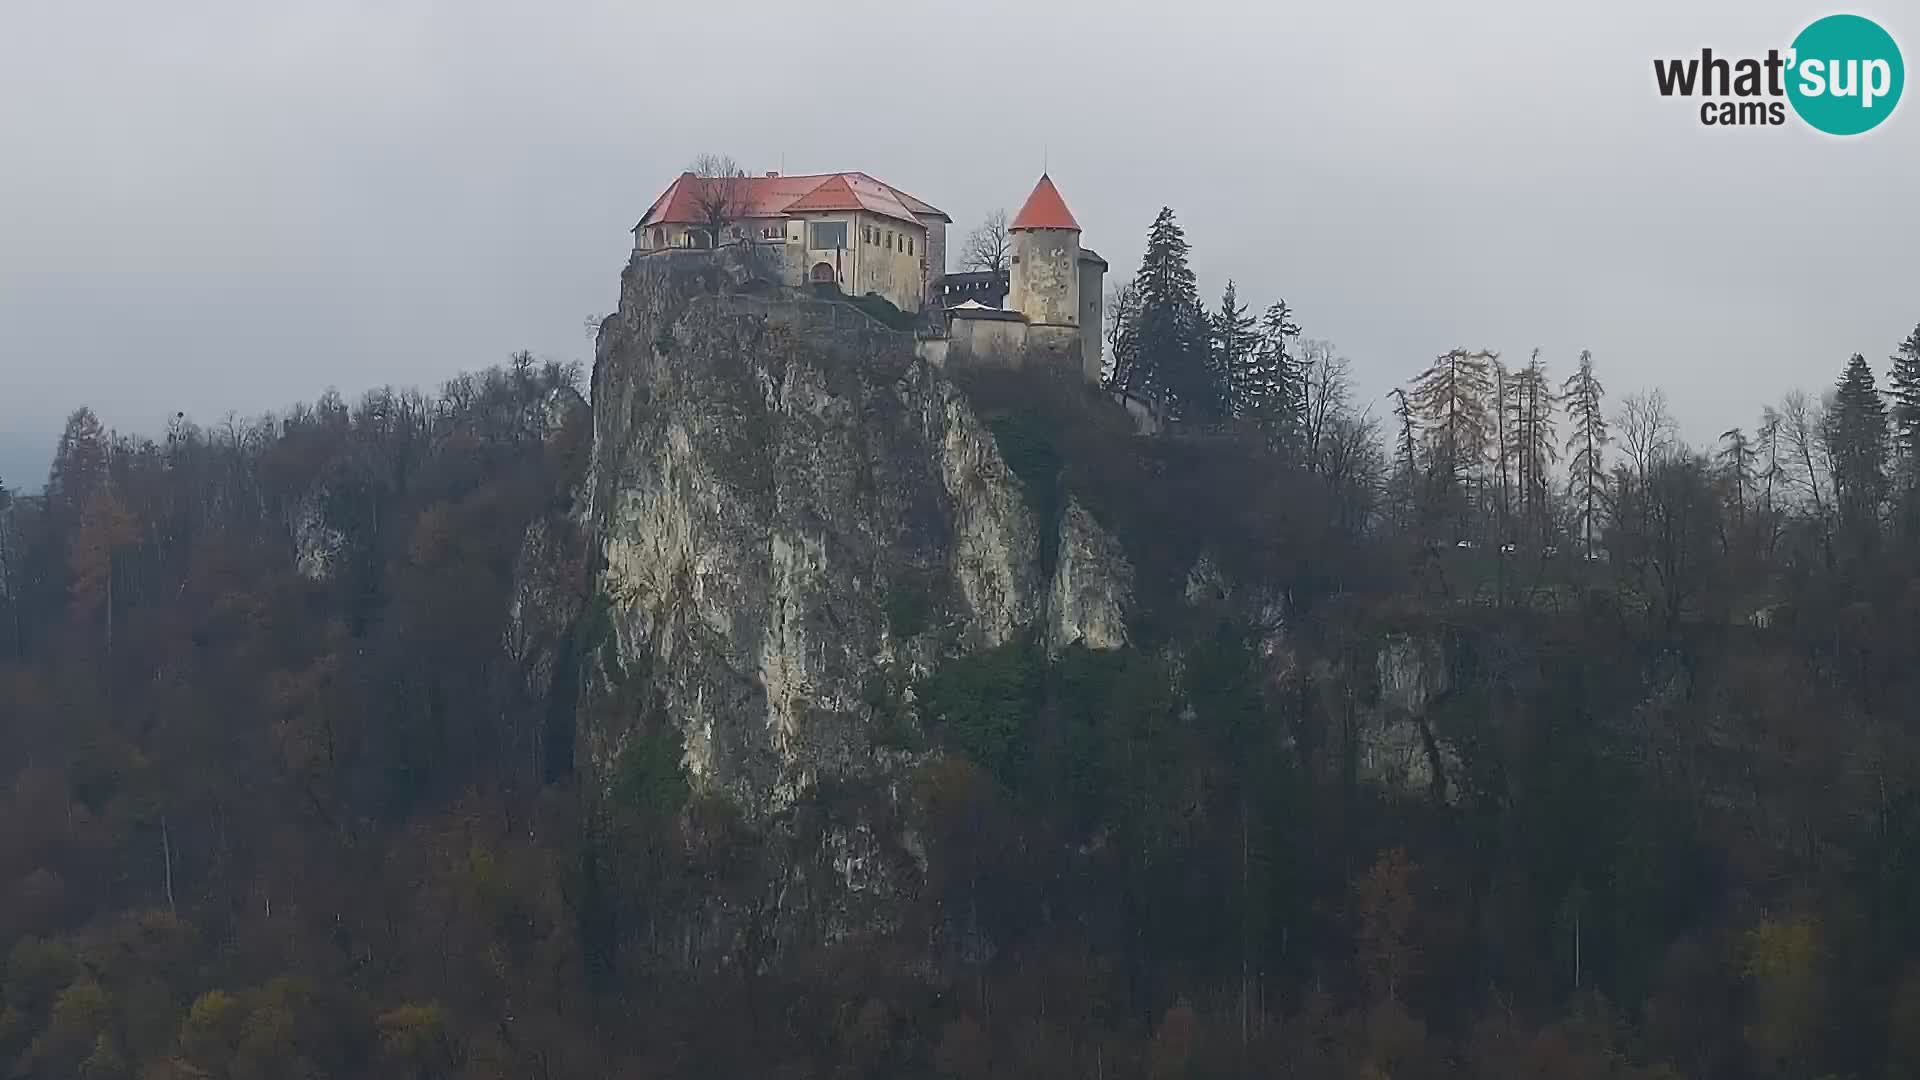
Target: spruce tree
x=1903 y=384
x=1283 y=404
x=1904 y=387
x=1172 y=363
x=1233 y=341
x=1587 y=442
x=1856 y=439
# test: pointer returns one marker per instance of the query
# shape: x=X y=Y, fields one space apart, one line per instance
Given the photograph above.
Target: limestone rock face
x=785 y=501
x=1398 y=747
x=1092 y=584
x=544 y=602
x=317 y=543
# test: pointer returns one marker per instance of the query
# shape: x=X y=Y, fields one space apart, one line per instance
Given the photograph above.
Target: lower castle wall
x=998 y=343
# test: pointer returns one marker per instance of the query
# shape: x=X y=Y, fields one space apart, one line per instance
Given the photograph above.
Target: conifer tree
x=1405 y=464
x=79 y=466
x=1856 y=438
x=107 y=529
x=1234 y=340
x=1273 y=385
x=1172 y=364
x=1587 y=442
x=1904 y=387
x=1736 y=460
x=1531 y=442
x=1453 y=400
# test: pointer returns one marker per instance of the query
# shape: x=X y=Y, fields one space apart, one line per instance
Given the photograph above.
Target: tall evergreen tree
x=1172 y=364
x=1904 y=388
x=1234 y=340
x=1587 y=443
x=1856 y=438
x=79 y=467
x=1279 y=403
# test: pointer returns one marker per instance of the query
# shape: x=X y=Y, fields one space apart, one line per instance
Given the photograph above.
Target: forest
x=276 y=804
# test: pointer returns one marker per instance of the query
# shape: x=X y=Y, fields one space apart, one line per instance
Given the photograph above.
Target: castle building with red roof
x=867 y=237
x=846 y=229
x=1054 y=284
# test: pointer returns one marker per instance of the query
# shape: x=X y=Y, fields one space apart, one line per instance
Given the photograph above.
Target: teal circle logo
x=1845 y=75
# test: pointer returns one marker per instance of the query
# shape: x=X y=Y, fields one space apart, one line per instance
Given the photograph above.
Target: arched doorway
x=823 y=273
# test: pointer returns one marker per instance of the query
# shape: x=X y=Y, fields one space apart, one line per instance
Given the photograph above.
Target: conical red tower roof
x=1044 y=209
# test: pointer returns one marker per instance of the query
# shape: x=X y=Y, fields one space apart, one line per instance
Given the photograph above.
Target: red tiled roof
x=1044 y=209
x=776 y=196
x=852 y=191
x=911 y=203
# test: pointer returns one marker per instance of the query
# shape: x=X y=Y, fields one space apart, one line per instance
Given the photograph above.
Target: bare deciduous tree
x=1122 y=316
x=1648 y=433
x=987 y=245
x=1802 y=423
x=719 y=193
x=1329 y=390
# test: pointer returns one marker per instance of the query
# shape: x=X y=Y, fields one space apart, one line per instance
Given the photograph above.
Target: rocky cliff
x=786 y=501
x=789 y=519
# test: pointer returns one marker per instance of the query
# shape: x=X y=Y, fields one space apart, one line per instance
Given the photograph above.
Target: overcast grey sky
x=213 y=206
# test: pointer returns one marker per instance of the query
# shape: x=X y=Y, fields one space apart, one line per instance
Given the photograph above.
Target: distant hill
x=24 y=457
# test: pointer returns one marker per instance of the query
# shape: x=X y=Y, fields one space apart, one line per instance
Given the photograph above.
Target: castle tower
x=1043 y=274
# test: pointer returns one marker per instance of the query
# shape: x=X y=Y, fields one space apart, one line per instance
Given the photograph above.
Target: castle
x=864 y=236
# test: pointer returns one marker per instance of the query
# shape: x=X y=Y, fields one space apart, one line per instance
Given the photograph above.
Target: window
x=828 y=235
x=909 y=245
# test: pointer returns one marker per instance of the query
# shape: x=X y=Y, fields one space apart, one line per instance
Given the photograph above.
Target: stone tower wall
x=1044 y=277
